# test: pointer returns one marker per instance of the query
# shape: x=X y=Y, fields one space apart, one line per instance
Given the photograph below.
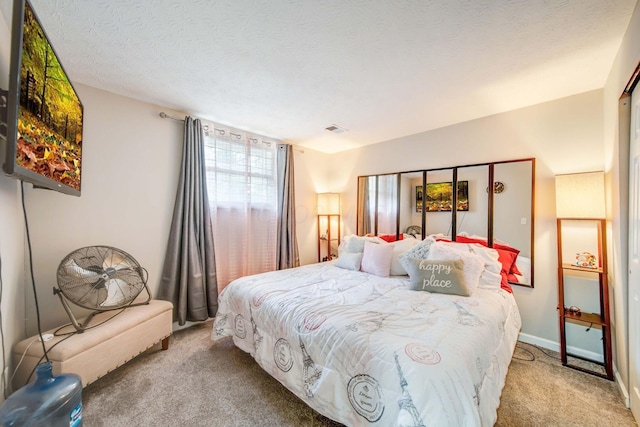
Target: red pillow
x=508 y=261
x=390 y=237
x=506 y=248
x=514 y=268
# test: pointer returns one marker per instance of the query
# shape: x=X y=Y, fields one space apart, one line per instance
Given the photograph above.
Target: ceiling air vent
x=335 y=129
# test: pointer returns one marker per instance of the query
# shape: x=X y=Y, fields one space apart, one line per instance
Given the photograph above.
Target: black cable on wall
x=33 y=280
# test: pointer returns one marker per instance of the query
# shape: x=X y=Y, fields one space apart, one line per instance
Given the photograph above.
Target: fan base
x=80 y=327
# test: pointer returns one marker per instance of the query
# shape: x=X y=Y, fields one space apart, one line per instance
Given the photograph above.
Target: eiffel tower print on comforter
x=365 y=350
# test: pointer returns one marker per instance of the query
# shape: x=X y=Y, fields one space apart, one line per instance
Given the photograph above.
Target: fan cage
x=100 y=278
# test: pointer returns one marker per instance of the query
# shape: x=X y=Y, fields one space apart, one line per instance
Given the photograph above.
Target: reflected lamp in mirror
x=328 y=203
x=328 y=226
x=580 y=196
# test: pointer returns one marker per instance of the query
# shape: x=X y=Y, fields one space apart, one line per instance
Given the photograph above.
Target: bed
x=364 y=350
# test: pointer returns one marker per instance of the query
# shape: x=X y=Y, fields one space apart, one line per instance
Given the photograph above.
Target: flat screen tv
x=44 y=113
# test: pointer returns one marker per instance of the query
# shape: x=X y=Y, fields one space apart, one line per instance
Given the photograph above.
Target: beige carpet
x=201 y=383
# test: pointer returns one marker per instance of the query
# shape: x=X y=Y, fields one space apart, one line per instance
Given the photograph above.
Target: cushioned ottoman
x=100 y=350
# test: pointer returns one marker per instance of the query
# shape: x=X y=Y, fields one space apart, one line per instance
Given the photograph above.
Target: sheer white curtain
x=387 y=203
x=241 y=184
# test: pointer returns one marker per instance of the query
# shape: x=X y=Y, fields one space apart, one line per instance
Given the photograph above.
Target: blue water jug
x=49 y=401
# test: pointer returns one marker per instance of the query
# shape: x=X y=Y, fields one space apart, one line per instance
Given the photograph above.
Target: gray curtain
x=365 y=217
x=189 y=273
x=287 y=246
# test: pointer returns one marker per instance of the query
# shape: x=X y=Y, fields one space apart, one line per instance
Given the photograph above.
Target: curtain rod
x=164 y=115
x=206 y=127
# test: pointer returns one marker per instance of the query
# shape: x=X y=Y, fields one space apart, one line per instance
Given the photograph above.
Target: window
x=239 y=172
x=241 y=185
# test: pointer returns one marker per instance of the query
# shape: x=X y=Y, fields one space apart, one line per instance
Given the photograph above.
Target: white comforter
x=364 y=350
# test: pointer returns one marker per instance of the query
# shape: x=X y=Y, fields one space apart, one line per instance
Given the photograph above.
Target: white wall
x=563 y=135
x=11 y=233
x=617 y=165
x=131 y=161
x=129 y=176
x=311 y=177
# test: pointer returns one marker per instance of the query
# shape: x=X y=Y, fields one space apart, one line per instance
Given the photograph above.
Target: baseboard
x=555 y=346
x=540 y=342
x=622 y=387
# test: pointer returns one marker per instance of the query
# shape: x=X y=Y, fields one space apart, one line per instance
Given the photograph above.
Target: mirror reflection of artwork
x=439 y=196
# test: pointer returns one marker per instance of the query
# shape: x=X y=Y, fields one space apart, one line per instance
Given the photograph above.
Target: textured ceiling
x=381 y=69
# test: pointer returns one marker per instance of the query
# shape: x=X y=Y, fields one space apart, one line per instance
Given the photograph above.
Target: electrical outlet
x=523 y=221
x=47 y=337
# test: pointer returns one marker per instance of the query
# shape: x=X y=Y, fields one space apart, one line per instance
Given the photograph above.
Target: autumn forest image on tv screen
x=50 y=113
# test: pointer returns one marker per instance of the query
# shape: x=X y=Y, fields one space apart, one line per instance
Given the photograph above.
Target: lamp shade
x=328 y=203
x=580 y=195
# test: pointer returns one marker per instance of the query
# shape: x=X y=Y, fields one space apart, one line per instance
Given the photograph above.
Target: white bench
x=101 y=349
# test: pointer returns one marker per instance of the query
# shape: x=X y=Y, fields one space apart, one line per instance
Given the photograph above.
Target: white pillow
x=419 y=251
x=400 y=247
x=377 y=258
x=342 y=248
x=349 y=261
x=489 y=256
x=473 y=264
x=356 y=243
x=490 y=280
x=490 y=277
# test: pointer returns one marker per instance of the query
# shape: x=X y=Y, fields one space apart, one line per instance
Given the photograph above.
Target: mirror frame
x=454 y=222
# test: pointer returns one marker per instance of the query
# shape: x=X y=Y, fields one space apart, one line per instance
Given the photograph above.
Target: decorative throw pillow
x=356 y=243
x=444 y=277
x=349 y=261
x=419 y=251
x=474 y=265
x=377 y=258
